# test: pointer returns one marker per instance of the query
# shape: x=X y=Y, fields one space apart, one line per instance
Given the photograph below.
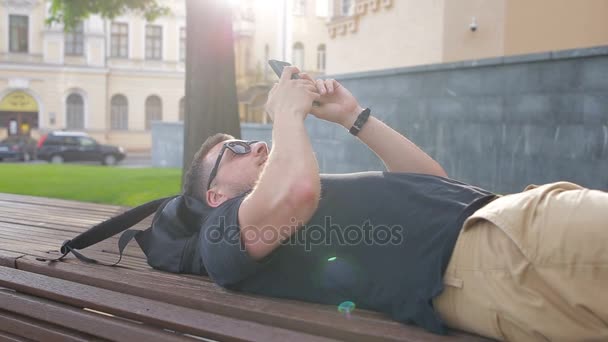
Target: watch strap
x=361 y=120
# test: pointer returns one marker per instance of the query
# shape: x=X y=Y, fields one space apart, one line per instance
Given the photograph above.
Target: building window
x=182 y=109
x=321 y=57
x=74 y=115
x=18 y=33
x=298 y=55
x=154 y=42
x=74 y=40
x=119 y=40
x=154 y=110
x=120 y=113
x=182 y=44
x=299 y=7
x=347 y=7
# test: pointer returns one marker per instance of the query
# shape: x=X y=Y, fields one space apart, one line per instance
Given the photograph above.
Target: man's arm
x=287 y=192
x=397 y=152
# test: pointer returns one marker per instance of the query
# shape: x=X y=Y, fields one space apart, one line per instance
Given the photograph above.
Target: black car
x=60 y=146
x=18 y=147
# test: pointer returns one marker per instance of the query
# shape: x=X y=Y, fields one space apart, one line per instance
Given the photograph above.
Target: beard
x=242 y=188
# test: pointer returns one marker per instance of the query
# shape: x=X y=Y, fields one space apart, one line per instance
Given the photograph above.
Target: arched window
x=182 y=109
x=154 y=110
x=321 y=57
x=74 y=115
x=298 y=55
x=119 y=118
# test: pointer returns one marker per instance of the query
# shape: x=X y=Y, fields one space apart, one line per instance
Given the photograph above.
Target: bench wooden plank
x=59 y=203
x=76 y=216
x=44 y=222
x=6 y=337
x=206 y=296
x=36 y=330
x=79 y=320
x=7 y=259
x=155 y=313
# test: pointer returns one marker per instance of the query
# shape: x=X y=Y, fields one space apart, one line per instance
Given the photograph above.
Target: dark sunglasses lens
x=239 y=148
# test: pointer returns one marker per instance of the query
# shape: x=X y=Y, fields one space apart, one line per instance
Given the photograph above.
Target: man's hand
x=397 y=152
x=291 y=97
x=337 y=104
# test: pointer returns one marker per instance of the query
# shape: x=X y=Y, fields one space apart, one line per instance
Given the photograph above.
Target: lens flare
x=346 y=308
x=331 y=259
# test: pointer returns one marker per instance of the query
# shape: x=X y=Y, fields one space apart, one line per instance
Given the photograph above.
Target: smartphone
x=278 y=66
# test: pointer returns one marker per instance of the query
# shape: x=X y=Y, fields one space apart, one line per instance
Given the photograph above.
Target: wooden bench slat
x=83 y=215
x=6 y=337
x=43 y=221
x=79 y=320
x=293 y=315
x=7 y=259
x=23 y=247
x=29 y=222
x=36 y=330
x=155 y=313
x=56 y=202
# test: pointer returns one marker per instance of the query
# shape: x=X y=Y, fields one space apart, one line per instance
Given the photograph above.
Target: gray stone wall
x=167 y=144
x=499 y=123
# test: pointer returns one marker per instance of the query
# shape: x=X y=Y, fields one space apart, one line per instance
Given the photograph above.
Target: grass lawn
x=99 y=184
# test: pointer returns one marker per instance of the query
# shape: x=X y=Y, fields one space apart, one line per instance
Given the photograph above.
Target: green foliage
x=98 y=184
x=71 y=12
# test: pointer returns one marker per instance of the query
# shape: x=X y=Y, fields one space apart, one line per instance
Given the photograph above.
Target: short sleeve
x=222 y=252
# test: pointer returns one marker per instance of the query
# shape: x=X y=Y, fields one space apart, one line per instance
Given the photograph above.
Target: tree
x=211 y=100
x=71 y=12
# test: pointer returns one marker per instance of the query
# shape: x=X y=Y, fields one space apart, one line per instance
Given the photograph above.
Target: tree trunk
x=211 y=98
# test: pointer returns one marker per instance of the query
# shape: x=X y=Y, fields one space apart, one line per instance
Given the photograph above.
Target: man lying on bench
x=411 y=242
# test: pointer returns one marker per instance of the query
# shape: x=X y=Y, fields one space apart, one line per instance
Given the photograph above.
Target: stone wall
x=499 y=123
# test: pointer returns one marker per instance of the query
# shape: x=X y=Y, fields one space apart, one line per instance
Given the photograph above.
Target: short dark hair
x=195 y=181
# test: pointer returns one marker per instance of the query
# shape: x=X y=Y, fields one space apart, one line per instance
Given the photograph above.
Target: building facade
x=380 y=34
x=111 y=78
x=287 y=30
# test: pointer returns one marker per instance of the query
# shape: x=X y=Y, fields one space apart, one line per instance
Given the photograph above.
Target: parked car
x=18 y=147
x=62 y=146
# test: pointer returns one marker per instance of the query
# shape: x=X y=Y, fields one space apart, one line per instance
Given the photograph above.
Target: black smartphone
x=278 y=66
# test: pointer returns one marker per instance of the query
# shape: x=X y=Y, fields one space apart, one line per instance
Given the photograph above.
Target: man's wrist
x=294 y=119
x=288 y=115
x=352 y=117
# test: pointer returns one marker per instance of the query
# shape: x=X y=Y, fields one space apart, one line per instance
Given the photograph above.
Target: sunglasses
x=238 y=147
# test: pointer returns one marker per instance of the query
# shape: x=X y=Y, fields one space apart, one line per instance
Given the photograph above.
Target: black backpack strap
x=108 y=228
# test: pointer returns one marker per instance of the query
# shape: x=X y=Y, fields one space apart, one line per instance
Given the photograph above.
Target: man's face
x=237 y=173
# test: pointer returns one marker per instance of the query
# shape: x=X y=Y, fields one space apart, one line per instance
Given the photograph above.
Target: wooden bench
x=73 y=301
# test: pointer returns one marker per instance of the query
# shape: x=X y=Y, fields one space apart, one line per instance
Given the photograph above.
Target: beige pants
x=532 y=266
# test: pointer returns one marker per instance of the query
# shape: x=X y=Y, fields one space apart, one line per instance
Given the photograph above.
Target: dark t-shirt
x=381 y=240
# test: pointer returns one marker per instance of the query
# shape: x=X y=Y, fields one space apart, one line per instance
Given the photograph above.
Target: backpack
x=169 y=243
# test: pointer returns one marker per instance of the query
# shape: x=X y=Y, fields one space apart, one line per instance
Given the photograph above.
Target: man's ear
x=215 y=198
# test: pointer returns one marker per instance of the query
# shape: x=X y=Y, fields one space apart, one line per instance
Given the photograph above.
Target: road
x=133 y=160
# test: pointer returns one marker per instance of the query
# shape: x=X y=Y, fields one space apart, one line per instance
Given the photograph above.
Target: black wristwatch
x=361 y=120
